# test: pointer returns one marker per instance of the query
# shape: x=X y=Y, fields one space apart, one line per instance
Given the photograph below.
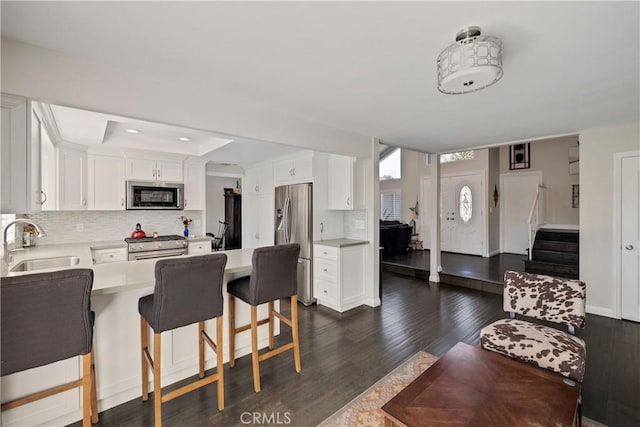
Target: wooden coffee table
x=471 y=386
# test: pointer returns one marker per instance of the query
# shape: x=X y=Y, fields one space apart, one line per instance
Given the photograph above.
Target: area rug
x=364 y=410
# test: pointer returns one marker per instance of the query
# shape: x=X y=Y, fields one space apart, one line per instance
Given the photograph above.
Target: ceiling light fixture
x=472 y=63
x=184 y=138
x=133 y=131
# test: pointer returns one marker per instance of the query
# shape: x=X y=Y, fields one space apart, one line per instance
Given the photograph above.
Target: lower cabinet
x=201 y=247
x=339 y=276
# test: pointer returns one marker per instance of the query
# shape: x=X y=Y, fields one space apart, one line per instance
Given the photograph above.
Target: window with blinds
x=390 y=202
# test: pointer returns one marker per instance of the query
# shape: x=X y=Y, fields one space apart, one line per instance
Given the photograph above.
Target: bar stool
x=46 y=318
x=274 y=276
x=187 y=291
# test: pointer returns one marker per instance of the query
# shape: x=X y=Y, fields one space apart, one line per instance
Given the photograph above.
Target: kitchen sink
x=44 y=263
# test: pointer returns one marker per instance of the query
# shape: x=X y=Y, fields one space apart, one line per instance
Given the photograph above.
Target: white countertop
x=341 y=243
x=117 y=276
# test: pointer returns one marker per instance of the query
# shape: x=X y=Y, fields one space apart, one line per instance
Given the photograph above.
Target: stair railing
x=535 y=217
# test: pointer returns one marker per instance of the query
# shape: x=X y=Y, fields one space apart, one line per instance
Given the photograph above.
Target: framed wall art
x=520 y=156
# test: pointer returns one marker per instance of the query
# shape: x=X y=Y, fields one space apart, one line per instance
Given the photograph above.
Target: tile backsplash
x=355 y=224
x=63 y=227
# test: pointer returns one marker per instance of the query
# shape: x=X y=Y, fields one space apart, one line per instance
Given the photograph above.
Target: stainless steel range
x=156 y=247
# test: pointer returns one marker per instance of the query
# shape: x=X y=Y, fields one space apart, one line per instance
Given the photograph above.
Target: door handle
x=629 y=247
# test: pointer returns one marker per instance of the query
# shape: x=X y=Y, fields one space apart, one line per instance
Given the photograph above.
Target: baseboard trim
x=601 y=311
x=494 y=253
x=372 y=302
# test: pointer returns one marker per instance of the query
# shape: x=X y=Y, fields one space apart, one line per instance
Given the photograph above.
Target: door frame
x=502 y=177
x=483 y=208
x=617 y=227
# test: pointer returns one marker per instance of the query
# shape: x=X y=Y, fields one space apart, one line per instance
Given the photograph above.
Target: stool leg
x=254 y=348
x=294 y=332
x=86 y=390
x=94 y=394
x=271 y=325
x=201 y=347
x=220 y=367
x=144 y=345
x=232 y=331
x=157 y=398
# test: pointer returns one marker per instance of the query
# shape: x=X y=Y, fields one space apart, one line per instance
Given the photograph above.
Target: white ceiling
x=368 y=67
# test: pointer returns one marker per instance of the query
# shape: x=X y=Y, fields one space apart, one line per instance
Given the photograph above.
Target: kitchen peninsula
x=116 y=290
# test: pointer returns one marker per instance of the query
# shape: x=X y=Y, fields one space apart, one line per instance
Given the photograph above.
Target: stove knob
x=159 y=245
x=177 y=243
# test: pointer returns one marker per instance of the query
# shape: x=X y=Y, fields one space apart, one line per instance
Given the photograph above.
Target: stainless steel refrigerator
x=293 y=224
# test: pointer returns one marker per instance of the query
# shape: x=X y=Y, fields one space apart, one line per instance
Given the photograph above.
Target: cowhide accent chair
x=547 y=298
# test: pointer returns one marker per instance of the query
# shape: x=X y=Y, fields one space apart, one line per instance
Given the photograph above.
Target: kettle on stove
x=138 y=233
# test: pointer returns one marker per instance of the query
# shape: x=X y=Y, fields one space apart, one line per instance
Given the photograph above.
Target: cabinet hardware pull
x=294 y=171
x=348 y=201
x=84 y=202
x=257 y=188
x=159 y=170
x=185 y=203
x=122 y=201
x=43 y=197
x=324 y=269
x=154 y=173
x=629 y=247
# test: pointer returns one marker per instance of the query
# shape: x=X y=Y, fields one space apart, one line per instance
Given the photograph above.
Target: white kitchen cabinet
x=72 y=179
x=258 y=180
x=194 y=186
x=296 y=170
x=36 y=194
x=154 y=170
x=346 y=184
x=14 y=156
x=257 y=220
x=201 y=247
x=339 y=276
x=106 y=183
x=107 y=255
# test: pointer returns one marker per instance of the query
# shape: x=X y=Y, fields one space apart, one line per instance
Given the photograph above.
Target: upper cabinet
x=258 y=180
x=106 y=183
x=296 y=170
x=72 y=179
x=14 y=155
x=154 y=170
x=194 y=186
x=346 y=184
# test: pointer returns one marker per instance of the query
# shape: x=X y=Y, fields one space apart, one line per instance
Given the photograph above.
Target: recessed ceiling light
x=184 y=138
x=133 y=131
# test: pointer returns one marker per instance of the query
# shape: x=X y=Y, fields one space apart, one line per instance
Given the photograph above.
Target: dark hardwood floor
x=344 y=354
x=489 y=269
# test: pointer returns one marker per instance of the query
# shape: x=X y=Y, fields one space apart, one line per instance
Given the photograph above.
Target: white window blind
x=390 y=203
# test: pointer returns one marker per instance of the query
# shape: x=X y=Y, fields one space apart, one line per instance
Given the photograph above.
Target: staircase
x=555 y=253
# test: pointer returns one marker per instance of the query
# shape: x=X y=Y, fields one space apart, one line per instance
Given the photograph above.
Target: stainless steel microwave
x=154 y=195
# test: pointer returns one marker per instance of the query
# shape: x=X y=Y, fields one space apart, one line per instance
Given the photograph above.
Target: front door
x=461 y=213
x=630 y=237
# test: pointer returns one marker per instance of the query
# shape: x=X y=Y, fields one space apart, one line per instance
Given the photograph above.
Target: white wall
x=215 y=186
x=551 y=156
x=597 y=251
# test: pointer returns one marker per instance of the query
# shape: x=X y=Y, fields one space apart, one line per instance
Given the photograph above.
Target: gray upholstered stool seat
x=188 y=290
x=47 y=317
x=240 y=288
x=274 y=276
x=539 y=345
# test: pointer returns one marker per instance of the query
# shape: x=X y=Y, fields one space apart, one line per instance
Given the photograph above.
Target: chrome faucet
x=5 y=248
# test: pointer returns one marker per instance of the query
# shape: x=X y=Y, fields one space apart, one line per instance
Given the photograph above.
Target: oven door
x=155 y=254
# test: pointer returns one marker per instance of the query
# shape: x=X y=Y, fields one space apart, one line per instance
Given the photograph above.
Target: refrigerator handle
x=288 y=225
x=285 y=220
